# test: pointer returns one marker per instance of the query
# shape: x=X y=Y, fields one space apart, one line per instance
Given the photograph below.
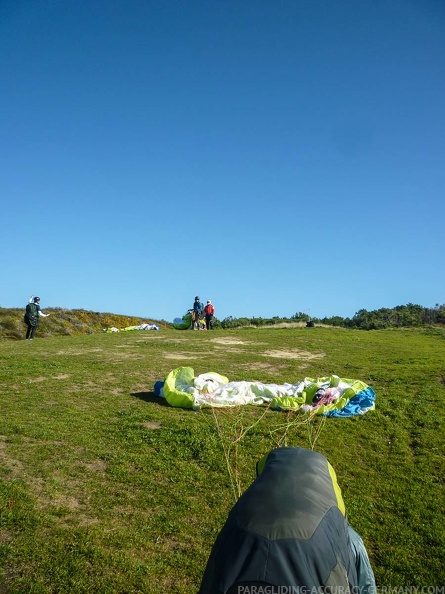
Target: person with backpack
x=197 y=313
x=209 y=311
x=32 y=314
x=288 y=532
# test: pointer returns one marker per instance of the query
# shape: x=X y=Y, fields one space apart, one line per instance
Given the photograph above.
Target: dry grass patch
x=293 y=354
x=229 y=340
x=181 y=356
x=229 y=350
x=95 y=466
x=125 y=356
x=78 y=352
x=258 y=365
x=14 y=467
x=152 y=424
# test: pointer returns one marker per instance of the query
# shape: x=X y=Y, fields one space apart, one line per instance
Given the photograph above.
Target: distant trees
x=231 y=322
x=401 y=316
x=301 y=316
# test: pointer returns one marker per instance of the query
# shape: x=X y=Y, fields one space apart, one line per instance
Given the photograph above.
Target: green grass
x=107 y=489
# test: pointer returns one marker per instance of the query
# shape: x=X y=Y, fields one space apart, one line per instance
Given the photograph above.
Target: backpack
x=31 y=315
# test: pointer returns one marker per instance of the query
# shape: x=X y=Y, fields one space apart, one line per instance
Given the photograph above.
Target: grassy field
x=107 y=489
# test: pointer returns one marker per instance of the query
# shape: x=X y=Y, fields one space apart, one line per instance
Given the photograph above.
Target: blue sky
x=272 y=156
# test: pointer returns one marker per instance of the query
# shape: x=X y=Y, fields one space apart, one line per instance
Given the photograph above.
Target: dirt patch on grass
x=95 y=466
x=14 y=467
x=79 y=352
x=84 y=520
x=229 y=340
x=117 y=391
x=258 y=365
x=66 y=501
x=151 y=425
x=5 y=536
x=41 y=378
x=61 y=376
x=123 y=356
x=181 y=356
x=229 y=350
x=293 y=354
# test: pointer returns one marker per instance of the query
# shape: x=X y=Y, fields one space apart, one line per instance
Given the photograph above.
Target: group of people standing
x=199 y=311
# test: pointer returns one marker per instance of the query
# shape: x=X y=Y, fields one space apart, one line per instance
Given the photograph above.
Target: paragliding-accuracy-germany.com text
x=268 y=589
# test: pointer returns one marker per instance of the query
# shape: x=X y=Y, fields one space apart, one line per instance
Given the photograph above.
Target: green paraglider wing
x=184 y=322
x=330 y=395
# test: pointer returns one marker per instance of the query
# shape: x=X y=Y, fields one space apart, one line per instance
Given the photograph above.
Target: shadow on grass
x=150 y=397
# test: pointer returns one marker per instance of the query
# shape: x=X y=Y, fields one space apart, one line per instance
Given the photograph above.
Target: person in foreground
x=289 y=533
x=32 y=314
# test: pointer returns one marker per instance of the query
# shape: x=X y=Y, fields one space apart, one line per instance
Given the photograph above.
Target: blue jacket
x=198 y=306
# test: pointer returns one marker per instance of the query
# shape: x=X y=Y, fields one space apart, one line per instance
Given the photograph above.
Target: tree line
x=401 y=316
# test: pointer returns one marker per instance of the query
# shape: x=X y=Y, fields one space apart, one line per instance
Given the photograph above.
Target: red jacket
x=209 y=309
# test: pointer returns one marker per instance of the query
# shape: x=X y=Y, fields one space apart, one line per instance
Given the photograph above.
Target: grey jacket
x=287 y=530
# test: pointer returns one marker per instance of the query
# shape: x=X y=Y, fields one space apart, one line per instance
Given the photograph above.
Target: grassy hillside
x=105 y=488
x=66 y=322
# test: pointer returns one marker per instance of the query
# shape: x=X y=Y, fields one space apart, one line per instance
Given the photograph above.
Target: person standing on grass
x=32 y=314
x=209 y=311
x=196 y=313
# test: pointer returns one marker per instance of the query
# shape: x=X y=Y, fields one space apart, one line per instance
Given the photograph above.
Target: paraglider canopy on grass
x=144 y=326
x=330 y=395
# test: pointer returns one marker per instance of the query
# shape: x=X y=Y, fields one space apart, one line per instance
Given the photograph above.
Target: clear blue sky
x=272 y=156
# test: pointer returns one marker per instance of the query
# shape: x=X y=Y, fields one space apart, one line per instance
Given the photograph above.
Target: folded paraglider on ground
x=331 y=395
x=130 y=328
